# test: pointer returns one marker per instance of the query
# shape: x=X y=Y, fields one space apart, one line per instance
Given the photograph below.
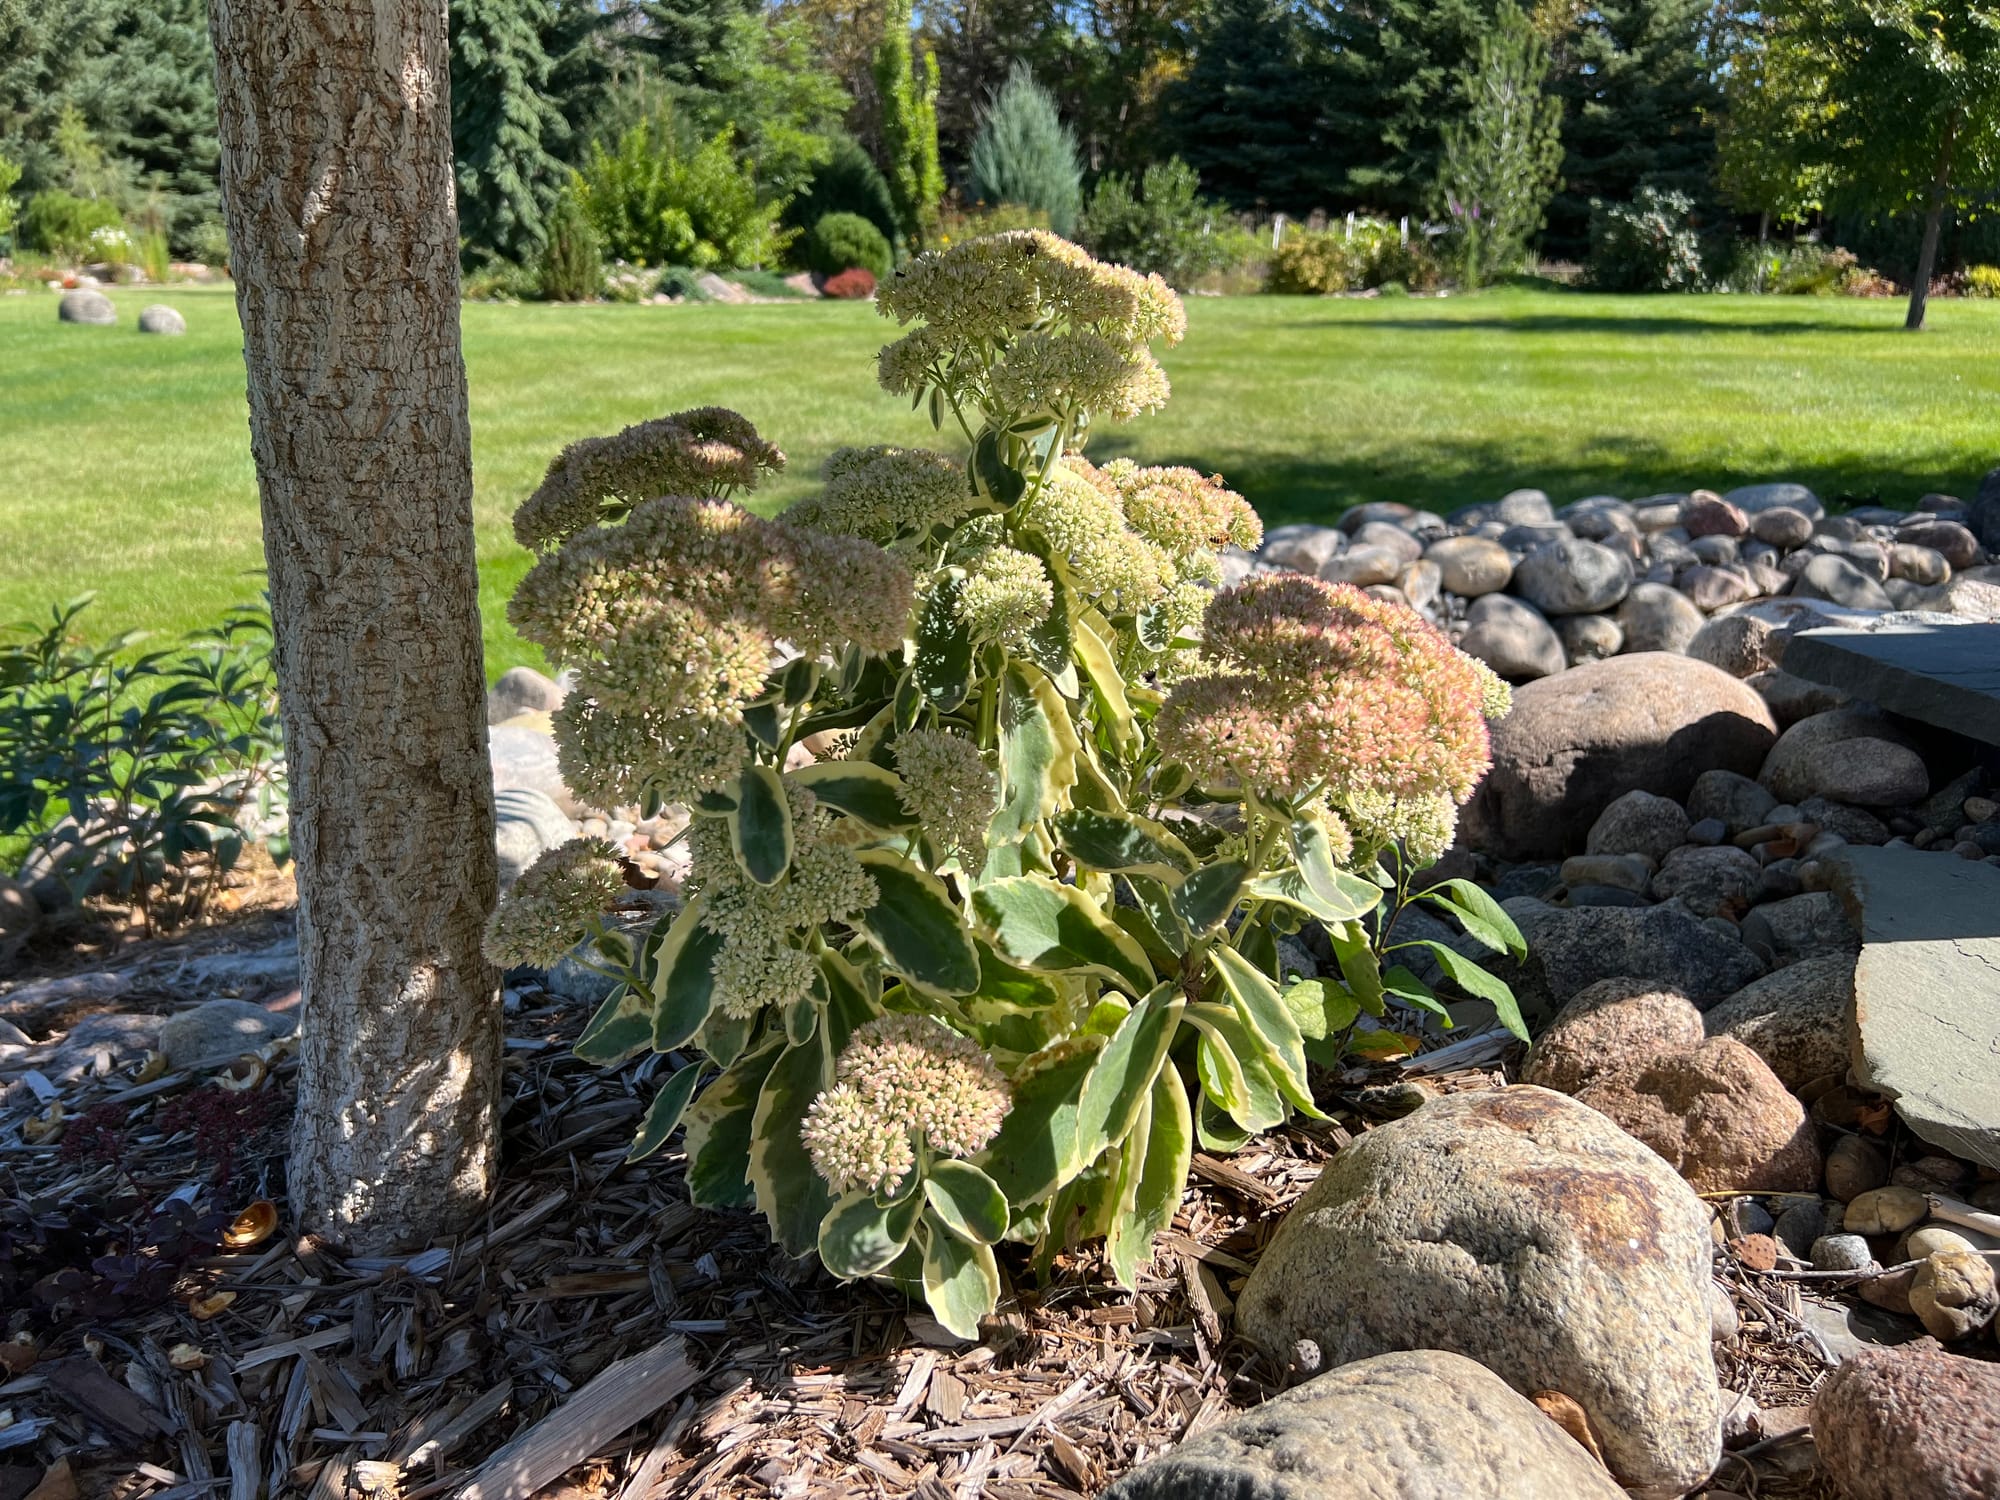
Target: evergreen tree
x=783 y=103
x=1501 y=157
x=1247 y=117
x=149 y=98
x=1638 y=106
x=978 y=43
x=46 y=55
x=1025 y=154
x=685 y=42
x=505 y=131
x=909 y=128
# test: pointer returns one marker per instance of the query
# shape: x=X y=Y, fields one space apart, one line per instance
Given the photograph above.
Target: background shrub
x=848 y=182
x=656 y=200
x=571 y=268
x=1163 y=226
x=1025 y=154
x=839 y=242
x=1323 y=261
x=855 y=284
x=1982 y=281
x=62 y=223
x=1646 y=245
x=960 y=223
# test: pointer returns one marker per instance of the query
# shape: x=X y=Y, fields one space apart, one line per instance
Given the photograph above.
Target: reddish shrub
x=855 y=284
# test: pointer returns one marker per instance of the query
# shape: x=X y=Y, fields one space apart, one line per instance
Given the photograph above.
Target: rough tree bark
x=1920 y=285
x=337 y=190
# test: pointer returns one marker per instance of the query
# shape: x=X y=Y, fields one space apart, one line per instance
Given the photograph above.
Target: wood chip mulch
x=597 y=1338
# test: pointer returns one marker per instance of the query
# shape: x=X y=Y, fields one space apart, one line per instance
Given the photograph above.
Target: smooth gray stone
x=1947 y=675
x=1751 y=498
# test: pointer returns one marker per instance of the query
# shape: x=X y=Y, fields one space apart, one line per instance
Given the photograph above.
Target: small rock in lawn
x=1842 y=1252
x=1886 y=1210
x=218 y=1032
x=1914 y=1423
x=1614 y=1024
x=1854 y=1167
x=1954 y=1295
x=159 y=318
x=1639 y=823
x=86 y=306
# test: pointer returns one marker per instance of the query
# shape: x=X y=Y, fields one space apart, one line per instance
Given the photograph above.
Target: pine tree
x=685 y=42
x=1638 y=104
x=1500 y=158
x=1025 y=154
x=505 y=132
x=47 y=52
x=909 y=127
x=149 y=98
x=1247 y=117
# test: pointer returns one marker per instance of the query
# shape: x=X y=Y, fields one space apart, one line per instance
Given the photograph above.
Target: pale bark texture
x=337 y=189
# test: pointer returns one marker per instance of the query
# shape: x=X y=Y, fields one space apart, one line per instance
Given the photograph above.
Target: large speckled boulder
x=1377 y=1430
x=1572 y=948
x=1797 y=1019
x=1577 y=741
x=1912 y=1423
x=1614 y=1025
x=1718 y=1115
x=1847 y=755
x=1525 y=1231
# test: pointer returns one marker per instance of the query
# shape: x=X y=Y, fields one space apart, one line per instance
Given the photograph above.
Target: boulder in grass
x=159 y=318
x=88 y=307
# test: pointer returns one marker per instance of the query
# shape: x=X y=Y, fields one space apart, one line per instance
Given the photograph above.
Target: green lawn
x=124 y=462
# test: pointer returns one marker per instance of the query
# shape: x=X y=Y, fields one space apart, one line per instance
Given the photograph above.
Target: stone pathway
x=1947 y=675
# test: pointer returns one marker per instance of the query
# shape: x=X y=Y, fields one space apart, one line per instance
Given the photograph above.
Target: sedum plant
x=1000 y=809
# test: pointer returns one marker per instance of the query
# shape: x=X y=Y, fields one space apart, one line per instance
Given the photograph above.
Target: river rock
x=1853 y=1167
x=1363 y=566
x=1792 y=698
x=1754 y=499
x=1524 y=1231
x=1827 y=576
x=1625 y=872
x=1802 y=926
x=1847 y=755
x=523 y=754
x=1357 y=516
x=1656 y=617
x=1570 y=576
x=1796 y=1018
x=1920 y=565
x=522 y=690
x=1301 y=548
x=1570 y=949
x=1387 y=534
x=1717 y=882
x=1953 y=1294
x=1886 y=1210
x=217 y=1032
x=1783 y=527
x=1589 y=637
x=1371 y=1431
x=1953 y=542
x=1613 y=1025
x=1708 y=514
x=1735 y=801
x=1512 y=638
x=1575 y=742
x=1472 y=565
x=1639 y=823
x=526 y=825
x=86 y=306
x=1718 y=1115
x=1913 y=1423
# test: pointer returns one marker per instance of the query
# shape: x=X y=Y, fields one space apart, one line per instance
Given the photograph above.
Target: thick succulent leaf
x=966 y=1201
x=724 y=1038
x=993 y=477
x=1122 y=843
x=1038 y=750
x=1156 y=902
x=1207 y=897
x=1480 y=915
x=792 y=1195
x=1336 y=890
x=1040 y=925
x=1153 y=1174
x=1231 y=1070
x=1476 y=982
x=664 y=1113
x=718 y=1132
x=760 y=829
x=916 y=928
x=1215 y=1130
x=942 y=669
x=1273 y=1032
x=1123 y=1076
x=853 y=996
x=684 y=980
x=1051 y=644
x=961 y=1280
x=860 y=789
x=622 y=1027
x=860 y=1237
x=1360 y=969
x=1114 y=709
x=1036 y=1150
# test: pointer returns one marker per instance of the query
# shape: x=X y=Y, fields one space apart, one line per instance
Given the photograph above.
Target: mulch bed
x=598 y=1337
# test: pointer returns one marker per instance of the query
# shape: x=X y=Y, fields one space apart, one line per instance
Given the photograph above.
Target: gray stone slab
x=1947 y=675
x=1927 y=991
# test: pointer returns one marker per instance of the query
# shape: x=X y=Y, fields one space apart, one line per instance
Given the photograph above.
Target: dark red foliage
x=855 y=284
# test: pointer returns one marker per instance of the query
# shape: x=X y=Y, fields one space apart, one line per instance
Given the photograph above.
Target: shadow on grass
x=1601 y=325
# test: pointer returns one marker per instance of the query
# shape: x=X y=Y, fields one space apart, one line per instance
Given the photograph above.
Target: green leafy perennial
x=987 y=964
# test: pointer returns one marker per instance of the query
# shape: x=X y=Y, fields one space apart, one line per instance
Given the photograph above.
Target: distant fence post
x=1406 y=229
x=1277 y=230
x=1350 y=223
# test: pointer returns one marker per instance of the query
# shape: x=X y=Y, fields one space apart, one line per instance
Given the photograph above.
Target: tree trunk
x=1920 y=286
x=337 y=190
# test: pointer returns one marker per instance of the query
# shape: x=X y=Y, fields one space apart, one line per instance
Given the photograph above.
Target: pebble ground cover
x=125 y=467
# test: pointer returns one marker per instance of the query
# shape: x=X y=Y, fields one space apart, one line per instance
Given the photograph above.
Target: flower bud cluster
x=549 y=907
x=949 y=789
x=1006 y=596
x=1078 y=513
x=710 y=451
x=886 y=494
x=761 y=926
x=1320 y=687
x=901 y=1078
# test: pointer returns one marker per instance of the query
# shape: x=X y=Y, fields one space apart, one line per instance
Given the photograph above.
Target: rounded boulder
x=1612 y=1025
x=1911 y=1423
x=1570 y=576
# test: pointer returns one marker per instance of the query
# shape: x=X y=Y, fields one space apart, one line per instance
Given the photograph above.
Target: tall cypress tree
x=504 y=129
x=909 y=127
x=1247 y=116
x=1638 y=103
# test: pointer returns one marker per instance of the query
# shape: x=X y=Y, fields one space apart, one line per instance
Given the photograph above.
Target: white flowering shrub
x=989 y=965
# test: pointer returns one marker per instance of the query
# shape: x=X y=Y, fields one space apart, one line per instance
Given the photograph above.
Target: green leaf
x=1483 y=918
x=997 y=480
x=792 y=1195
x=1269 y=1022
x=1093 y=650
x=1152 y=1179
x=916 y=928
x=1405 y=986
x=1321 y=1008
x=942 y=668
x=684 y=979
x=664 y=1113
x=718 y=1132
x=860 y=789
x=1359 y=966
x=1216 y=1130
x=760 y=829
x=622 y=1027
x=1207 y=897
x=966 y=1201
x=860 y=1237
x=1051 y=645
x=1038 y=750
x=853 y=997
x=1227 y=1063
x=1121 y=843
x=1475 y=981
x=961 y=1280
x=725 y=1037
x=761 y=719
x=1036 y=1150
x=1049 y=928
x=1156 y=902
x=1125 y=1069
